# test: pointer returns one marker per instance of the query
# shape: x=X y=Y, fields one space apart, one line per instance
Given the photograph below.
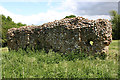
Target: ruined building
x=63 y=35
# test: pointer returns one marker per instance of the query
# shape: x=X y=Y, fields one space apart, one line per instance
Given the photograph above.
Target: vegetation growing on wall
x=71 y=16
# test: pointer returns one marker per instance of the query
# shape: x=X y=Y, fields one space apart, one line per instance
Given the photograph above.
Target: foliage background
x=115 y=20
x=7 y=23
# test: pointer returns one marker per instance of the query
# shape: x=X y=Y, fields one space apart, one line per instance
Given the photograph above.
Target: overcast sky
x=39 y=12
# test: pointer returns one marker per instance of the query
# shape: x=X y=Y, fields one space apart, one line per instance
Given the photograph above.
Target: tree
x=20 y=24
x=3 y=17
x=9 y=19
x=115 y=20
x=7 y=23
x=71 y=16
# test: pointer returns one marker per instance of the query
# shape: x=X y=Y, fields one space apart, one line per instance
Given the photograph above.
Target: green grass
x=39 y=64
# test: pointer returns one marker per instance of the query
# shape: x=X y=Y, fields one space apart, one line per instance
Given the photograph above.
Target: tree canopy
x=7 y=23
x=71 y=16
x=115 y=20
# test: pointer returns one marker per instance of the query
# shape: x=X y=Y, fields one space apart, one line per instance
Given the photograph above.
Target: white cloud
x=40 y=18
x=94 y=17
x=68 y=7
x=74 y=7
x=49 y=2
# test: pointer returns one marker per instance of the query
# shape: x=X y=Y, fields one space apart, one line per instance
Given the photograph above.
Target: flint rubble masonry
x=63 y=35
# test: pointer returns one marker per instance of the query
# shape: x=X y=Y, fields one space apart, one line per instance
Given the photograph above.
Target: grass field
x=54 y=65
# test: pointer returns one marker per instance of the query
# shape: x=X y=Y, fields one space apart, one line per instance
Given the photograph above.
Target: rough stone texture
x=63 y=35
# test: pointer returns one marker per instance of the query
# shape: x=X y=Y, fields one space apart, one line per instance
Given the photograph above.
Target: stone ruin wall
x=63 y=35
